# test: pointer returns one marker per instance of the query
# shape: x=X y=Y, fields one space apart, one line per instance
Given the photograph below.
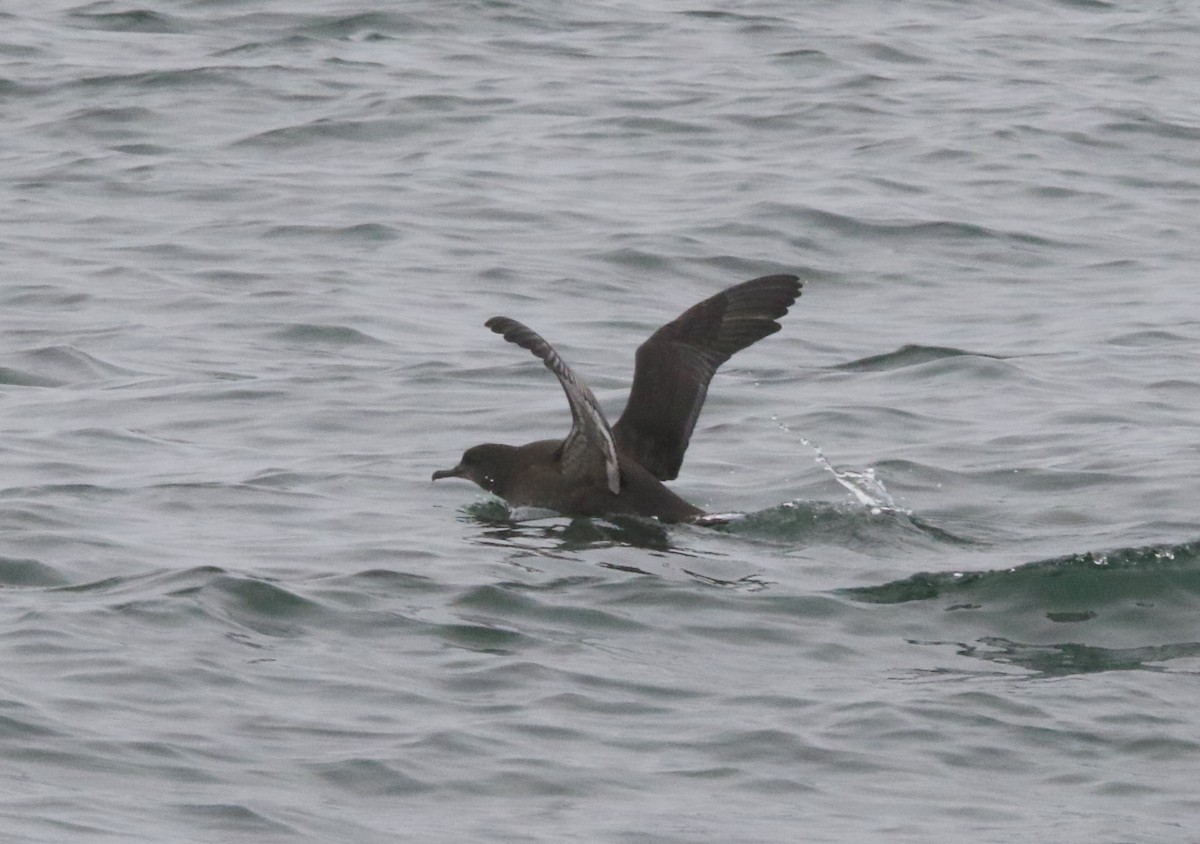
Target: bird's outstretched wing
x=589 y=451
x=675 y=365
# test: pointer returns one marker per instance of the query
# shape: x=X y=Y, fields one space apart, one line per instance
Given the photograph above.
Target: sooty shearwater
x=601 y=470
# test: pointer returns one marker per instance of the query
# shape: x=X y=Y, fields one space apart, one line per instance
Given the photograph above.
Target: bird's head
x=486 y=465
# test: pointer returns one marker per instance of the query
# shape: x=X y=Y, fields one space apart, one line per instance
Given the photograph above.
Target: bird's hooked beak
x=457 y=472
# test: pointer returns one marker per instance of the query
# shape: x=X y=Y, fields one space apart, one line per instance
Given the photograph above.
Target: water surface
x=249 y=248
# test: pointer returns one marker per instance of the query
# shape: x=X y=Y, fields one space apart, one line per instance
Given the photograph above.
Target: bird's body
x=532 y=475
x=601 y=470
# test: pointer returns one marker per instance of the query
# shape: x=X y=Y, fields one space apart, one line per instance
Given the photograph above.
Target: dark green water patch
x=1080 y=613
x=137 y=20
x=842 y=524
x=23 y=572
x=1067 y=658
x=483 y=637
x=908 y=355
x=264 y=607
x=327 y=335
x=369 y=777
x=1144 y=574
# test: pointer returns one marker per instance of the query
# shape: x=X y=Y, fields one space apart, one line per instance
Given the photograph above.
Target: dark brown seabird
x=600 y=470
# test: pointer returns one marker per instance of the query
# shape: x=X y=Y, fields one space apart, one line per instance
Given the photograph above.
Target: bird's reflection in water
x=532 y=535
x=581 y=534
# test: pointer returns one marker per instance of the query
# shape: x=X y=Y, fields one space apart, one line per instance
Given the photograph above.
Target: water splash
x=862 y=483
x=718 y=519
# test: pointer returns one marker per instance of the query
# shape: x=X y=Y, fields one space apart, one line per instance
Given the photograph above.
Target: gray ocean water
x=248 y=248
